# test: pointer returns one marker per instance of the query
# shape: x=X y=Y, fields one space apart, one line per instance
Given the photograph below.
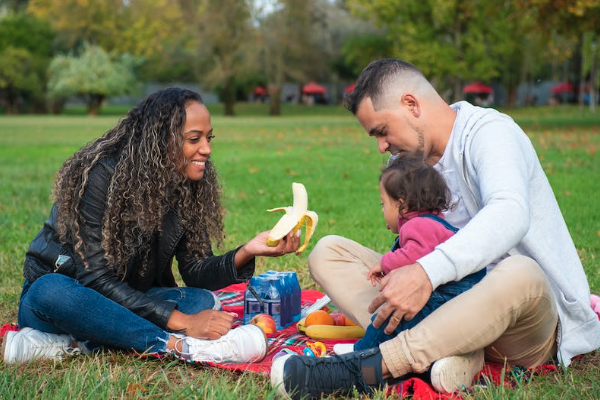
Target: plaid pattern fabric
x=497 y=374
x=289 y=340
x=232 y=299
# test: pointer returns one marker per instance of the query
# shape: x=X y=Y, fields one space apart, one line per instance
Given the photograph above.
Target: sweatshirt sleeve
x=499 y=162
x=418 y=237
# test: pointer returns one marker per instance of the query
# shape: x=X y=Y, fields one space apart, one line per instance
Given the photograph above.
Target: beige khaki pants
x=511 y=313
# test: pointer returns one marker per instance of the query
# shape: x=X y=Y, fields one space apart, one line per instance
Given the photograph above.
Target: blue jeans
x=373 y=336
x=56 y=303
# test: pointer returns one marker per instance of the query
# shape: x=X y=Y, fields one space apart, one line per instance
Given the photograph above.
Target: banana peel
x=330 y=331
x=294 y=218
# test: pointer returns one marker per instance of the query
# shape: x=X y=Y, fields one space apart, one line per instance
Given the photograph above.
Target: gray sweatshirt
x=513 y=211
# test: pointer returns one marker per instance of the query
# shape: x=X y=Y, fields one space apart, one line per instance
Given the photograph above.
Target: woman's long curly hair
x=149 y=180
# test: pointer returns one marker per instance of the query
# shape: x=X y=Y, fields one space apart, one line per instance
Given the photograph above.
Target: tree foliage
x=138 y=27
x=452 y=41
x=25 y=52
x=288 y=49
x=229 y=45
x=93 y=75
x=223 y=31
x=576 y=22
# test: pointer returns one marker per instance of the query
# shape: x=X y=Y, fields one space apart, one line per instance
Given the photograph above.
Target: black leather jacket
x=47 y=255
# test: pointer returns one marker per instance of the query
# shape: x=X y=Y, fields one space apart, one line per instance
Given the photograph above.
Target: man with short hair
x=532 y=307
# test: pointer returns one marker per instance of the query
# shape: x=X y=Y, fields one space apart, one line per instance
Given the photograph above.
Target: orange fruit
x=349 y=322
x=319 y=317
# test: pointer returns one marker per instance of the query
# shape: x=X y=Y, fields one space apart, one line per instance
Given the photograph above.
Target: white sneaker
x=245 y=344
x=456 y=372
x=343 y=348
x=30 y=344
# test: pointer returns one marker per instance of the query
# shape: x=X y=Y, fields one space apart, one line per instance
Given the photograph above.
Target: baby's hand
x=375 y=274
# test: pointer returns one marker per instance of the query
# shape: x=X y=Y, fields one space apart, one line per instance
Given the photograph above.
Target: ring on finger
x=396 y=320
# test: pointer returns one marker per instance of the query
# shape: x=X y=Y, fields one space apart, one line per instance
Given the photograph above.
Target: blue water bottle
x=286 y=298
x=296 y=296
x=272 y=298
x=252 y=300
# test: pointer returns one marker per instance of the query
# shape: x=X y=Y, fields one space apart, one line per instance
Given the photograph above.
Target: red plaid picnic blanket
x=232 y=299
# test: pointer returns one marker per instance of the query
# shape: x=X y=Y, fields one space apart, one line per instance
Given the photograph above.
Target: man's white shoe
x=456 y=372
x=245 y=344
x=30 y=344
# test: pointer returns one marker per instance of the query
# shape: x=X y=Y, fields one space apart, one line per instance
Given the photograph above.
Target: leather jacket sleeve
x=212 y=272
x=98 y=275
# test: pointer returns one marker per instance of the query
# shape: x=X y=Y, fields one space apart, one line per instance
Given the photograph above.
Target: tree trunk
x=11 y=101
x=581 y=97
x=457 y=89
x=594 y=75
x=229 y=96
x=275 y=100
x=511 y=96
x=57 y=105
x=94 y=103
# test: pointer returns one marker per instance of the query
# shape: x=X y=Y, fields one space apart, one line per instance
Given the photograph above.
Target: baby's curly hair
x=419 y=186
x=148 y=181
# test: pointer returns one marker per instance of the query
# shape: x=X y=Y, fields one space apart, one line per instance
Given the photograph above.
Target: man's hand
x=404 y=292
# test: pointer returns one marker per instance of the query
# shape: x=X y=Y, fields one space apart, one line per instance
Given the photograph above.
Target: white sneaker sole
x=277 y=376
x=456 y=372
x=8 y=346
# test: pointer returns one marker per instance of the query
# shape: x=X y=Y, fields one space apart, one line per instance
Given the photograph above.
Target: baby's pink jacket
x=418 y=236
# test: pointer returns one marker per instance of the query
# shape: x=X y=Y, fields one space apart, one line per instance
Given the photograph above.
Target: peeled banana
x=295 y=216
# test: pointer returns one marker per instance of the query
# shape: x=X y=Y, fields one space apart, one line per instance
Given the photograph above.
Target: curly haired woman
x=99 y=273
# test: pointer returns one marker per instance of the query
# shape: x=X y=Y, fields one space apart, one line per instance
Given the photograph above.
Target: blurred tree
x=288 y=46
x=577 y=21
x=92 y=75
x=19 y=78
x=223 y=32
x=139 y=27
x=451 y=41
x=25 y=52
x=359 y=51
x=13 y=5
x=332 y=36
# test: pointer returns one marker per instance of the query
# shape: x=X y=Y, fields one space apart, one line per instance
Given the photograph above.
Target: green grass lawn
x=258 y=158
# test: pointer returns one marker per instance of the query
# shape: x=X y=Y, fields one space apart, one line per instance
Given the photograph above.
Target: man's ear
x=411 y=103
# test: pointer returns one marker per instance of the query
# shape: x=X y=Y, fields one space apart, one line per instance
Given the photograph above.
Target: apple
x=338 y=318
x=265 y=322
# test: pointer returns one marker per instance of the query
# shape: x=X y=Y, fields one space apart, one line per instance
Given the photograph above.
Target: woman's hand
x=207 y=324
x=258 y=247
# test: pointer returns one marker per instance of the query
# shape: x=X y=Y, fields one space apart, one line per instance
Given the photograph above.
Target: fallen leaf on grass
x=133 y=389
